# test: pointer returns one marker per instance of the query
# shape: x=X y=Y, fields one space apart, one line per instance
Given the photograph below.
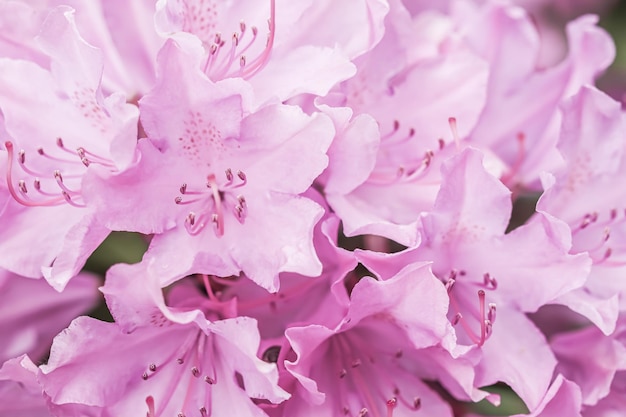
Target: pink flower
x=520 y=125
x=56 y=129
x=484 y=269
x=231 y=178
x=160 y=369
x=586 y=195
x=394 y=333
x=282 y=48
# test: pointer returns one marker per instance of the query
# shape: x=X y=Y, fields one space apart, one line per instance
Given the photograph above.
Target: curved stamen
x=261 y=61
x=21 y=197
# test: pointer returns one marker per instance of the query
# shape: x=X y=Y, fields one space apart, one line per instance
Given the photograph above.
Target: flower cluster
x=327 y=189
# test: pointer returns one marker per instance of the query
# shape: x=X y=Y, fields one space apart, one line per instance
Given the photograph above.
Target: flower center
x=407 y=170
x=215 y=200
x=55 y=176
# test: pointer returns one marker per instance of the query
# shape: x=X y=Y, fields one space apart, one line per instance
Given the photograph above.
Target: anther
x=491 y=315
x=195 y=371
x=144 y=376
x=152 y=367
x=449 y=284
x=242 y=26
x=180 y=415
x=236 y=38
x=191 y=218
x=255 y=30
x=417 y=403
x=363 y=412
x=40 y=151
x=57 y=175
x=241 y=176
x=180 y=361
x=21 y=155
x=242 y=61
x=209 y=380
x=457 y=318
x=22 y=186
x=229 y=174
x=60 y=143
x=613 y=214
x=183 y=188
x=455 y=131
x=37 y=184
x=178 y=200
x=343 y=373
x=356 y=363
x=203 y=412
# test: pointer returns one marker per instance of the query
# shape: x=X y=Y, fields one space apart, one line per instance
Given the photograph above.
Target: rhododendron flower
x=482 y=268
x=282 y=48
x=232 y=176
x=78 y=133
x=373 y=356
x=586 y=194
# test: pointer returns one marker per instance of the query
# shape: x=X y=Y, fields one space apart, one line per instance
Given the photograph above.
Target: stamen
x=485 y=322
x=481 y=301
x=363 y=412
x=19 y=196
x=391 y=404
x=455 y=132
